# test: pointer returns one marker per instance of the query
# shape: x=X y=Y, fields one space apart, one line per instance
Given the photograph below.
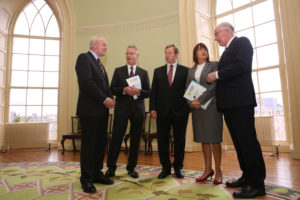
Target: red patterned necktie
x=170 y=75
x=100 y=64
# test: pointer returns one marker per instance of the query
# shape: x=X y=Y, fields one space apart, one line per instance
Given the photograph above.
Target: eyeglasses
x=216 y=34
x=130 y=53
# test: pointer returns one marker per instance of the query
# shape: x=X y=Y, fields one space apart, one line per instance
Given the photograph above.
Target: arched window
x=258 y=21
x=34 y=71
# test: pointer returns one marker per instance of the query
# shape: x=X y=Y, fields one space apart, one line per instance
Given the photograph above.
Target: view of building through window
x=256 y=21
x=34 y=78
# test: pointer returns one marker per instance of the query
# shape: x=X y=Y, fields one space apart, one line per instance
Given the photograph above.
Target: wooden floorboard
x=281 y=170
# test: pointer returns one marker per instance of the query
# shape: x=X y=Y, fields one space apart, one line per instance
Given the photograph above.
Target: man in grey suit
x=129 y=106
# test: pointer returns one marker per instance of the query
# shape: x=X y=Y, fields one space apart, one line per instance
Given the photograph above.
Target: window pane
x=223 y=6
x=19 y=78
x=238 y=3
x=49 y=113
x=20 y=45
x=39 y=3
x=34 y=97
x=21 y=26
x=52 y=47
x=255 y=83
x=50 y=97
x=249 y=33
x=46 y=13
x=36 y=46
x=269 y=80
x=16 y=113
x=51 y=63
x=30 y=12
x=17 y=97
x=228 y=18
x=267 y=56
x=265 y=34
x=263 y=12
x=243 y=19
x=19 y=61
x=37 y=27
x=254 y=61
x=36 y=62
x=280 y=133
x=272 y=104
x=51 y=79
x=34 y=113
x=52 y=29
x=35 y=79
x=257 y=108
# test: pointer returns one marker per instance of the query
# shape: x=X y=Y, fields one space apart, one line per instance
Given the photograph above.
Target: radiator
x=26 y=135
x=264 y=129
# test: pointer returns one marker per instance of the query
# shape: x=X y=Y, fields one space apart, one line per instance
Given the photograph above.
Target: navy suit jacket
x=125 y=104
x=163 y=97
x=235 y=87
x=93 y=87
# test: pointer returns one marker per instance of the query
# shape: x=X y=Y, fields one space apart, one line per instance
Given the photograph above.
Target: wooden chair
x=109 y=132
x=75 y=134
x=153 y=135
x=144 y=135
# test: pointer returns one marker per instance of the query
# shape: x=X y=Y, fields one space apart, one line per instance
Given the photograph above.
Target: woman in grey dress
x=207 y=123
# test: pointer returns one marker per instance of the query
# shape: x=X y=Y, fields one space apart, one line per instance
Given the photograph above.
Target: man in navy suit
x=129 y=106
x=169 y=108
x=236 y=99
x=92 y=108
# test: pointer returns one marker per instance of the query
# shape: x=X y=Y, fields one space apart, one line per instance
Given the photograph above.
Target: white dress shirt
x=129 y=68
x=199 y=71
x=174 y=69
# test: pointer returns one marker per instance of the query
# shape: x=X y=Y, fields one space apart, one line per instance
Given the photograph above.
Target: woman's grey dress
x=207 y=124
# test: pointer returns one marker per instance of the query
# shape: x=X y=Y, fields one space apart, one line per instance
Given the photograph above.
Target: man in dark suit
x=236 y=99
x=92 y=108
x=129 y=106
x=169 y=108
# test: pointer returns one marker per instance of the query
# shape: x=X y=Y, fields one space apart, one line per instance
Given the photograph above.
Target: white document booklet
x=194 y=91
x=136 y=82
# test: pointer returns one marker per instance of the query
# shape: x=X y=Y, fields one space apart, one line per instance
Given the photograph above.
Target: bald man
x=236 y=99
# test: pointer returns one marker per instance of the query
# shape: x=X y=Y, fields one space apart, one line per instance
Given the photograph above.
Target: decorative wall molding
x=137 y=25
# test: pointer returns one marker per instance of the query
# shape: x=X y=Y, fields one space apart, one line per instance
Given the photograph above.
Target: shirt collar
x=134 y=66
x=174 y=65
x=94 y=54
x=230 y=41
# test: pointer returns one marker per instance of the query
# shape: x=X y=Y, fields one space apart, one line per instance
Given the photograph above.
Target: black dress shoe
x=164 y=174
x=110 y=173
x=249 y=192
x=179 y=173
x=88 y=187
x=100 y=178
x=241 y=182
x=133 y=174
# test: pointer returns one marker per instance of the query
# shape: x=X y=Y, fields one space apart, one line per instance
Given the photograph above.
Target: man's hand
x=196 y=104
x=211 y=77
x=153 y=114
x=131 y=90
x=109 y=103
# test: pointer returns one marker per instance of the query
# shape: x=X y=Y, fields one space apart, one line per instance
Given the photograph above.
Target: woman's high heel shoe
x=217 y=182
x=201 y=179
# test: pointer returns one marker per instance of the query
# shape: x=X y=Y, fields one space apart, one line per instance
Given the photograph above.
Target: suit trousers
x=93 y=145
x=119 y=129
x=164 y=124
x=240 y=123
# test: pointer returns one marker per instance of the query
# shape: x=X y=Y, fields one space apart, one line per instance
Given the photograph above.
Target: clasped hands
x=109 y=103
x=195 y=104
x=131 y=90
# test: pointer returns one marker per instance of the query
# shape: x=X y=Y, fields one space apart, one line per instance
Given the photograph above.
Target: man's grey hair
x=94 y=40
x=134 y=47
x=226 y=25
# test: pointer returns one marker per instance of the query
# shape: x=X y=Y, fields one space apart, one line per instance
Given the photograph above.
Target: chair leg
x=74 y=146
x=125 y=141
x=63 y=146
x=150 y=145
x=145 y=140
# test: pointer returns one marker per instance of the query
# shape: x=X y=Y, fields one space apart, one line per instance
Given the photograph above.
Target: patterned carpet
x=60 y=181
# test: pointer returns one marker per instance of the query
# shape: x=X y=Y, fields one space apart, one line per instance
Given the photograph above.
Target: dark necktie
x=170 y=75
x=100 y=64
x=131 y=74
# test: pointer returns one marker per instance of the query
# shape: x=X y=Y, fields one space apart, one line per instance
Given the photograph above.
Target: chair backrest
x=76 y=126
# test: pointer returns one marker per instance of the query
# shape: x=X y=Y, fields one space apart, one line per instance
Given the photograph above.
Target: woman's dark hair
x=198 y=47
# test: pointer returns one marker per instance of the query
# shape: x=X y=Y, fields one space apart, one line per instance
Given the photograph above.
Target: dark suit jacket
x=93 y=87
x=234 y=86
x=163 y=97
x=125 y=104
